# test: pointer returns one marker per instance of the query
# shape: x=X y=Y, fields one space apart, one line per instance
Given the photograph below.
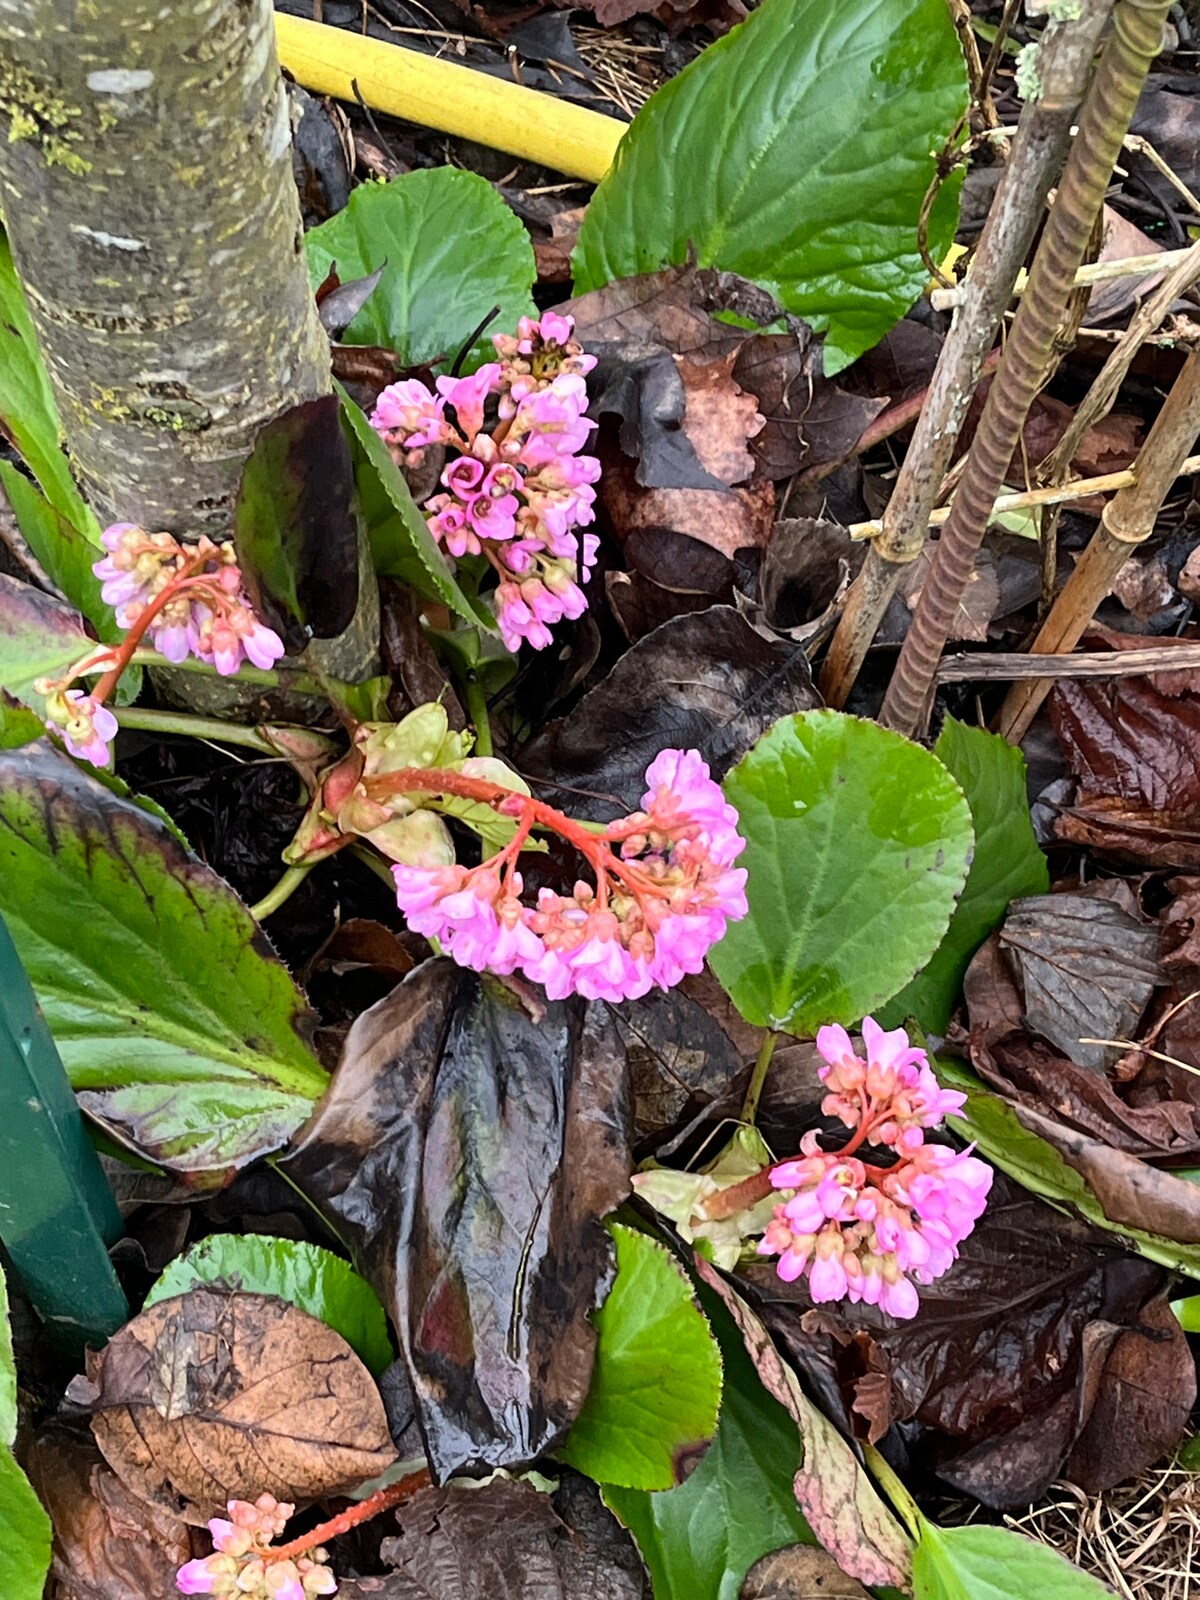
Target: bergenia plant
x=516 y=486
x=868 y=1231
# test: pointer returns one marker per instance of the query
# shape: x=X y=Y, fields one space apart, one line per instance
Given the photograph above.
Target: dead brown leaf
x=212 y=1396
x=109 y=1544
x=801 y=1572
x=720 y=418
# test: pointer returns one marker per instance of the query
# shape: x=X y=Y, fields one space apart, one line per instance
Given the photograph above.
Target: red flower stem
x=740 y=1196
x=134 y=637
x=381 y=1500
x=532 y=813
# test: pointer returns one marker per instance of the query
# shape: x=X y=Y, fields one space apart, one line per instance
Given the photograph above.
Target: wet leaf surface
x=204 y=1398
x=800 y=1573
x=467 y=1150
x=295 y=524
x=1087 y=967
x=508 y=1541
x=707 y=682
x=680 y=1061
x=1009 y=1355
x=839 y=1500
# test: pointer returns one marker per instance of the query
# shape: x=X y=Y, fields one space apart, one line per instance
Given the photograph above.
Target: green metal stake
x=57 y=1213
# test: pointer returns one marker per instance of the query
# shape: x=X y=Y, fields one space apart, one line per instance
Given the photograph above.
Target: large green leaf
x=1007 y=863
x=453 y=252
x=981 y=1563
x=796 y=151
x=858 y=844
x=314 y=1279
x=24 y=1534
x=700 y=1540
x=178 y=1025
x=401 y=543
x=27 y=407
x=656 y=1386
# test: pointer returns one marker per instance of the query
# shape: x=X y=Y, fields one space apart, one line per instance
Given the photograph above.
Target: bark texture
x=146 y=182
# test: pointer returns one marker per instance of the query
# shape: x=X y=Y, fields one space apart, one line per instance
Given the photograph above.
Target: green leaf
x=995 y=1127
x=795 y=151
x=858 y=843
x=700 y=1540
x=39 y=638
x=313 y=1279
x=656 y=1387
x=18 y=724
x=27 y=408
x=63 y=549
x=8 y=1372
x=25 y=1534
x=981 y=1563
x=1188 y=1313
x=180 y=1029
x=454 y=252
x=401 y=543
x=1007 y=863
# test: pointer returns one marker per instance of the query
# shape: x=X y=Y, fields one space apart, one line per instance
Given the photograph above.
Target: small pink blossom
x=87 y=727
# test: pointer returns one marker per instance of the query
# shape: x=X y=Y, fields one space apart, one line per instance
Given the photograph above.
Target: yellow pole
x=452 y=98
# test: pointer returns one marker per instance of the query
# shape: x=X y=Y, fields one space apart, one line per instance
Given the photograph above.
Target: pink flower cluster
x=516 y=487
x=208 y=615
x=238 y=1565
x=863 y=1232
x=659 y=902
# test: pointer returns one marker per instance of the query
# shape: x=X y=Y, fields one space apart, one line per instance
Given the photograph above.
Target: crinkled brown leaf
x=806 y=570
x=1087 y=967
x=467 y=1149
x=1132 y=744
x=1007 y=1357
x=109 y=1544
x=707 y=682
x=507 y=1541
x=640 y=605
x=840 y=1502
x=801 y=1572
x=213 y=1396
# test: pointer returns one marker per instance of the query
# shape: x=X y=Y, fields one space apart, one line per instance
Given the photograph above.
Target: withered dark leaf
x=295 y=523
x=206 y=1397
x=467 y=1149
x=807 y=567
x=680 y=1059
x=801 y=1572
x=707 y=682
x=1006 y=1359
x=1087 y=967
x=507 y=1541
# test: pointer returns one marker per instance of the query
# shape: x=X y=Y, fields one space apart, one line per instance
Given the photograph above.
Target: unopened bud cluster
x=241 y=1563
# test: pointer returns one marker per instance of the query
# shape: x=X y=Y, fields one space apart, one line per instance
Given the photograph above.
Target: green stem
x=283 y=890
x=377 y=865
x=905 y=1505
x=477 y=710
x=266 y=677
x=757 y=1078
x=193 y=727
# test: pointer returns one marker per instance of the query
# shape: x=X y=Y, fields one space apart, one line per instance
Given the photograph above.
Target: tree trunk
x=146 y=182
